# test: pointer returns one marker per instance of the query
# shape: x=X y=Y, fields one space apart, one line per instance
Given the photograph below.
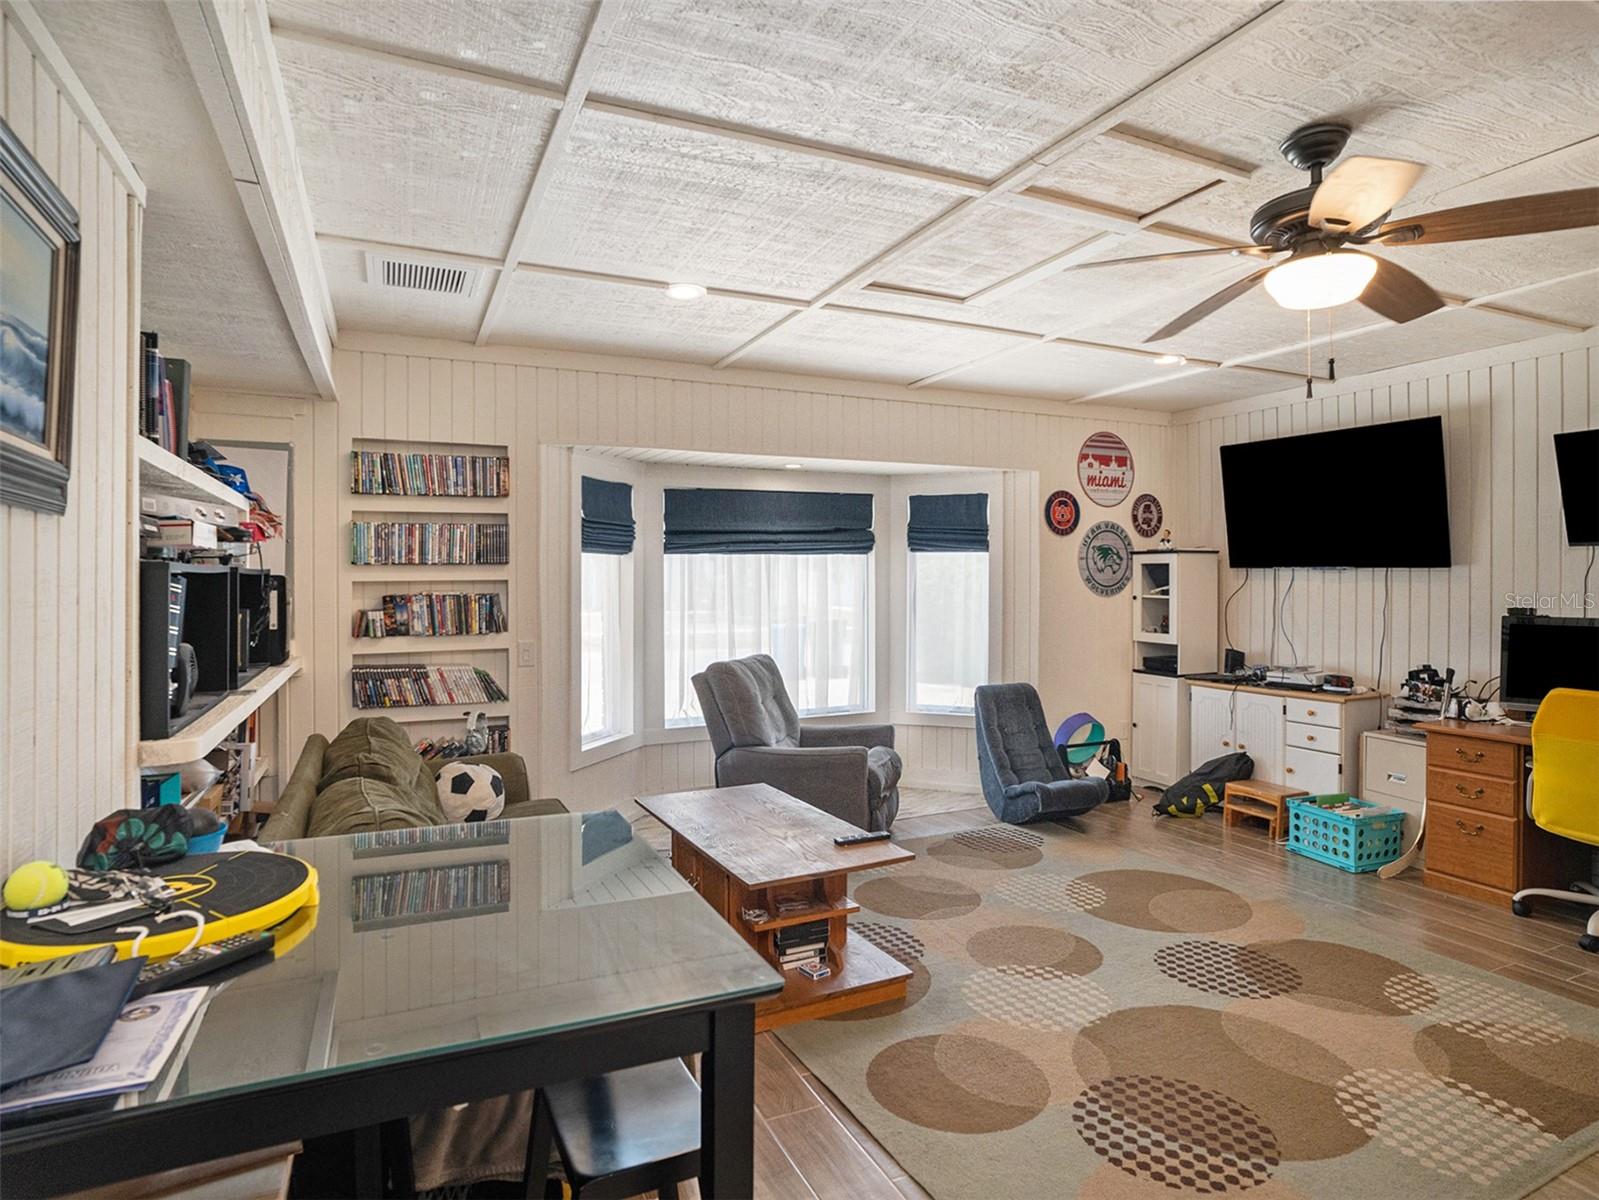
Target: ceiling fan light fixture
x=1321 y=280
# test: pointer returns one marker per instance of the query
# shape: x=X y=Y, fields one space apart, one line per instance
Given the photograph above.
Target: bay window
x=605 y=601
x=947 y=592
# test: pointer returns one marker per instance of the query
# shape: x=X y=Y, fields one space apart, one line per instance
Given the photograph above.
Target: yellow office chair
x=1564 y=794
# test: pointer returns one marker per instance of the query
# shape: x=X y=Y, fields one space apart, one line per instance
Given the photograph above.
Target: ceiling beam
x=1451 y=304
x=605 y=16
x=1020 y=176
x=420 y=60
x=1219 y=166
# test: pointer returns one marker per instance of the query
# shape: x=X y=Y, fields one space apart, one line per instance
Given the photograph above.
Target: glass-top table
x=441 y=965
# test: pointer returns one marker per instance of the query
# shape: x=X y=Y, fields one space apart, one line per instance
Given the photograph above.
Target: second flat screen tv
x=1371 y=496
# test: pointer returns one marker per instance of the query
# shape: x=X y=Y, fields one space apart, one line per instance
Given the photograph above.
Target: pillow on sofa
x=357 y=805
x=371 y=748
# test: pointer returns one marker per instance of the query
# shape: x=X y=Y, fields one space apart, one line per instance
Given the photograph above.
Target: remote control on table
x=855 y=839
x=202 y=960
x=28 y=972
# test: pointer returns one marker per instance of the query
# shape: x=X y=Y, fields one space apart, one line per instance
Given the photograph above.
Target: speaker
x=1232 y=660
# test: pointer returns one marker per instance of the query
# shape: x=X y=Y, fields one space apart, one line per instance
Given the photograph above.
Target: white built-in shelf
x=427 y=714
x=209 y=730
x=364 y=647
x=162 y=473
x=460 y=508
x=1164 y=639
x=430 y=573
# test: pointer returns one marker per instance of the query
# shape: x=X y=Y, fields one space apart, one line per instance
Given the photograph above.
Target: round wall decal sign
x=1105 y=469
x=1146 y=514
x=1105 y=558
x=1061 y=513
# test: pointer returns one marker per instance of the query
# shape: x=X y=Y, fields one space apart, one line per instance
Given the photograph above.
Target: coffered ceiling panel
x=1575 y=300
x=397 y=154
x=1050 y=371
x=363 y=304
x=1434 y=336
x=967 y=85
x=994 y=244
x=640 y=199
x=580 y=314
x=534 y=39
x=827 y=342
x=1125 y=176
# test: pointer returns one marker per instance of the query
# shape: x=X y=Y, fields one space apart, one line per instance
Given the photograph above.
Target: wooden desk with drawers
x=1480 y=841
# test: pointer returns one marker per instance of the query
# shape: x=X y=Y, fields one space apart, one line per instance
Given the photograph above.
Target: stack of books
x=428 y=542
x=416 y=686
x=798 y=945
x=405 y=897
x=163 y=397
x=433 y=614
x=384 y=473
x=455 y=747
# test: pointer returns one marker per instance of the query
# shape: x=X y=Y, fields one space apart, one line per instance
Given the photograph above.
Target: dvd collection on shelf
x=433 y=614
x=417 y=686
x=799 y=945
x=429 y=543
x=400 y=897
x=433 y=749
x=386 y=473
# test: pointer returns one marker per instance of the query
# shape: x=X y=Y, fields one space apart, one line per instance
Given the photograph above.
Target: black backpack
x=1201 y=789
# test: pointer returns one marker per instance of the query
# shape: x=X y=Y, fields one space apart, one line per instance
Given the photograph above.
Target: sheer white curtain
x=607 y=703
x=810 y=612
x=948 y=596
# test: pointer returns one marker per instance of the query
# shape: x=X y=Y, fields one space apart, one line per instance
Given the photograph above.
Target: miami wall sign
x=1105 y=469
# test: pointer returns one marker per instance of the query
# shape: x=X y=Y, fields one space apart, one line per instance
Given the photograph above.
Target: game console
x=1296 y=676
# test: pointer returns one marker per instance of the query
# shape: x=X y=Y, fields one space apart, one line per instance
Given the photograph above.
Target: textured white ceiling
x=724 y=144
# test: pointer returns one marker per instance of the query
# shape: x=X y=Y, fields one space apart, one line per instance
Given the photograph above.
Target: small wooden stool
x=1261 y=800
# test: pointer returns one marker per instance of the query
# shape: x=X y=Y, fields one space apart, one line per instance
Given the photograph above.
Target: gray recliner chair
x=1024 y=778
x=850 y=771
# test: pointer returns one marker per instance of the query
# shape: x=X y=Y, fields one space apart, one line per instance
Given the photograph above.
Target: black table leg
x=368 y=1146
x=727 y=1105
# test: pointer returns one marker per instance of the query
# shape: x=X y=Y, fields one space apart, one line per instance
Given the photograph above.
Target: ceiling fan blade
x=1398 y=294
x=1576 y=209
x=1359 y=191
x=1207 y=306
x=1256 y=251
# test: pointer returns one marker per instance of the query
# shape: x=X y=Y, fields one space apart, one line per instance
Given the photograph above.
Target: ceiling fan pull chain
x=1332 y=370
x=1309 y=394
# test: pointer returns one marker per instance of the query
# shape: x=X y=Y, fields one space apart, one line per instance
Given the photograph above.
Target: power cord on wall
x=1226 y=610
x=1271 y=655
x=1293 y=653
x=1592 y=550
x=1387 y=576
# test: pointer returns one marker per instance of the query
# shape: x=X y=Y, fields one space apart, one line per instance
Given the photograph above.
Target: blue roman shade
x=948 y=523
x=607 y=517
x=734 y=521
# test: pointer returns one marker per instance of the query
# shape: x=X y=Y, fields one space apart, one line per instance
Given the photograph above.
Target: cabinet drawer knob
x=1468 y=830
x=1241 y=746
x=1288 y=770
x=1310 y=712
x=1475 y=757
x=1225 y=742
x=1476 y=795
x=1310 y=737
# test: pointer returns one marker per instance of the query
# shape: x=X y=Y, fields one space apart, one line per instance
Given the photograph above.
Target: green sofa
x=370 y=778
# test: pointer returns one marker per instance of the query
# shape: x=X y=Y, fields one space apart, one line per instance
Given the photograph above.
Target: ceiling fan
x=1319 y=227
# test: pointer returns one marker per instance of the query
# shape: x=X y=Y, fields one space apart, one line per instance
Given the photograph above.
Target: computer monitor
x=1538 y=654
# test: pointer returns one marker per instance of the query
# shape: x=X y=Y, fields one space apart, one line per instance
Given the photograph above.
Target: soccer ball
x=471 y=792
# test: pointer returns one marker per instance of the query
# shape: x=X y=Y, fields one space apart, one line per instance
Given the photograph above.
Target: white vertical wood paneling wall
x=1073 y=644
x=1499 y=409
x=65 y=581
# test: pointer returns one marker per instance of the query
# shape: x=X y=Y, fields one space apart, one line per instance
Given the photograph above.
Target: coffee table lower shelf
x=862 y=976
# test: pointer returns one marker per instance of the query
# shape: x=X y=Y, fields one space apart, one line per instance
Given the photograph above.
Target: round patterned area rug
x=1074 y=1029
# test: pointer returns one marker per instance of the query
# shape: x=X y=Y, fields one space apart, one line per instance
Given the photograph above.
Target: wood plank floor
x=807 y=1144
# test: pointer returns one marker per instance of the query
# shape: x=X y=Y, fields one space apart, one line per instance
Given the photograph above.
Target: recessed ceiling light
x=793 y=466
x=684 y=291
x=1171 y=360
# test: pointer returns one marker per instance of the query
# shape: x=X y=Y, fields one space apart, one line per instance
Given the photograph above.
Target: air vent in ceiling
x=438 y=278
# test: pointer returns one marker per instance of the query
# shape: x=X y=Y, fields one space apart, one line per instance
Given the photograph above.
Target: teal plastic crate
x=1357 y=841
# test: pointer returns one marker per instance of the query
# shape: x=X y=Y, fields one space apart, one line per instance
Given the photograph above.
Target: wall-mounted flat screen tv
x=1369 y=496
x=1577 y=459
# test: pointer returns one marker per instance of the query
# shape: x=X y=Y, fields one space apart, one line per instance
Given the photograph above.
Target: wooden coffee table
x=750 y=846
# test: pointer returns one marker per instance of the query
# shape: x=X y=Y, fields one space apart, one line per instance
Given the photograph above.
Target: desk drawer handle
x=1475 y=757
x=1476 y=795
x=1398 y=777
x=1310 y=737
x=1225 y=742
x=1465 y=829
x=1310 y=712
x=1288 y=770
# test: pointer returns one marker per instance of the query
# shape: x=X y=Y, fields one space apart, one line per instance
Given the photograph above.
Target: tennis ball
x=37 y=884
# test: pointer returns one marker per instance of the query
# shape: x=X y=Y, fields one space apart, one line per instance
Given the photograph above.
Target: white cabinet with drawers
x=1302 y=740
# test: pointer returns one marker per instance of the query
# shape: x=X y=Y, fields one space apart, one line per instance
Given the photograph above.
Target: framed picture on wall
x=39 y=245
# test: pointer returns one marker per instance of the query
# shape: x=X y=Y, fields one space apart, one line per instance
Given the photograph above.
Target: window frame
x=901 y=627
x=584 y=754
